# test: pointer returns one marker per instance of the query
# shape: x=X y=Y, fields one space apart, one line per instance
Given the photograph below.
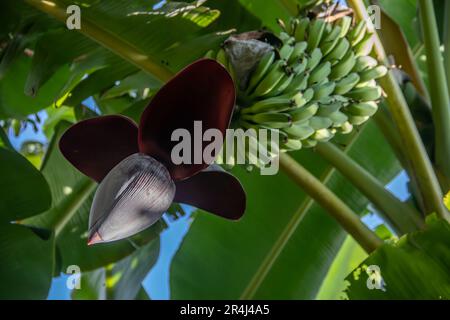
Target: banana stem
x=331 y=203
x=414 y=148
x=403 y=217
x=447 y=43
x=117 y=45
x=438 y=87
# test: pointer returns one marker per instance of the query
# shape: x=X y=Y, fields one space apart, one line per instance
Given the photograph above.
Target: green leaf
x=416 y=267
x=300 y=240
x=26 y=265
x=122 y=280
x=14 y=103
x=23 y=189
x=348 y=258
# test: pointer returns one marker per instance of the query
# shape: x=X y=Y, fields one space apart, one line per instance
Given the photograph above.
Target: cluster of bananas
x=320 y=81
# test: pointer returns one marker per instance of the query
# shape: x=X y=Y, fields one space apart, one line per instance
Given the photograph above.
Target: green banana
x=298 y=83
x=318 y=123
x=302 y=98
x=364 y=48
x=374 y=73
x=363 y=63
x=275 y=104
x=309 y=143
x=314 y=59
x=315 y=33
x=261 y=69
x=300 y=31
x=338 y=118
x=269 y=118
x=286 y=51
x=270 y=80
x=345 y=24
x=299 y=131
x=221 y=57
x=210 y=54
x=300 y=67
x=323 y=90
x=320 y=73
x=301 y=114
x=298 y=52
x=346 y=127
x=323 y=135
x=365 y=109
x=365 y=93
x=333 y=34
x=338 y=51
x=357 y=33
x=346 y=84
x=344 y=67
x=325 y=110
x=282 y=85
x=358 y=120
x=291 y=145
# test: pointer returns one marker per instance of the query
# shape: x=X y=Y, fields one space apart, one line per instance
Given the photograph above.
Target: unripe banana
x=346 y=128
x=298 y=83
x=261 y=69
x=318 y=123
x=302 y=114
x=221 y=57
x=299 y=131
x=344 y=67
x=323 y=90
x=309 y=143
x=332 y=35
x=339 y=51
x=357 y=33
x=314 y=59
x=363 y=63
x=364 y=48
x=358 y=120
x=365 y=93
x=346 y=84
x=298 y=52
x=365 y=109
x=338 y=118
x=269 y=118
x=275 y=104
x=300 y=67
x=315 y=33
x=291 y=145
x=323 y=135
x=282 y=85
x=320 y=73
x=345 y=24
x=302 y=98
x=286 y=38
x=325 y=110
x=285 y=51
x=300 y=31
x=271 y=79
x=210 y=54
x=374 y=73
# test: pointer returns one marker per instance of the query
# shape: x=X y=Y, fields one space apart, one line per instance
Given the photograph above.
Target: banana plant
x=352 y=105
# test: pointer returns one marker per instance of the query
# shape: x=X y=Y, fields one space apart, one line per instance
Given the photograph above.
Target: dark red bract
x=203 y=91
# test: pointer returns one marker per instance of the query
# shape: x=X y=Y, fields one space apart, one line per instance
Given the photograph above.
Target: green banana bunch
x=317 y=83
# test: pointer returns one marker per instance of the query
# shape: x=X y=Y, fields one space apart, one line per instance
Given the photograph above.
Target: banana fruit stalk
x=317 y=82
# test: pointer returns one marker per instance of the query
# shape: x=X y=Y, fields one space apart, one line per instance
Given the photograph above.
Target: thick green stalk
x=109 y=40
x=414 y=148
x=349 y=220
x=438 y=87
x=446 y=33
x=403 y=217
